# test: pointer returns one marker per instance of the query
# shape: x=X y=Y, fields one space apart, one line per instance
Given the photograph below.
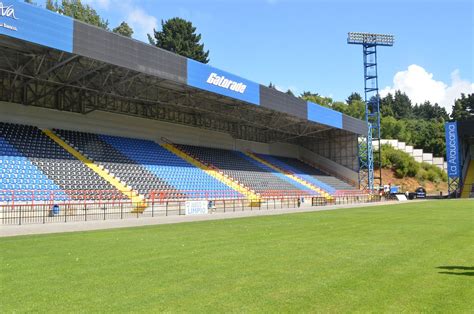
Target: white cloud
x=420 y=86
x=141 y=22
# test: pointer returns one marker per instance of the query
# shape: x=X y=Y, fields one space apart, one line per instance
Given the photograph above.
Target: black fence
x=346 y=200
x=70 y=211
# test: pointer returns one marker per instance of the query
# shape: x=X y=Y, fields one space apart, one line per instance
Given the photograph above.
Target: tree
x=179 y=36
x=401 y=105
x=392 y=128
x=463 y=108
x=356 y=109
x=289 y=92
x=353 y=97
x=427 y=111
x=78 y=11
x=339 y=106
x=386 y=105
x=398 y=106
x=271 y=85
x=317 y=99
x=124 y=29
x=52 y=6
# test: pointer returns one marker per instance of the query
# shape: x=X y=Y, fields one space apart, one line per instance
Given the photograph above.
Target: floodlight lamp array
x=369 y=38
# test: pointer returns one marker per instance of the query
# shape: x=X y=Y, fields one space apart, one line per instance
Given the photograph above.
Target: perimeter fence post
x=85 y=212
x=153 y=206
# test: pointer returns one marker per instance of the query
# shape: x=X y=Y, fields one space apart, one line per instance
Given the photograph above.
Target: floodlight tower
x=369 y=44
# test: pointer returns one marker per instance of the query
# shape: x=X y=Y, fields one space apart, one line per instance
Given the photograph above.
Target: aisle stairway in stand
x=138 y=201
x=213 y=172
x=247 y=172
x=273 y=163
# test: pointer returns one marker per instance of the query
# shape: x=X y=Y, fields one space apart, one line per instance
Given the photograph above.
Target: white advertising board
x=196 y=208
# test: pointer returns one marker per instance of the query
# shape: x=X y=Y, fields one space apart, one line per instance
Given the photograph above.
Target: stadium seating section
x=245 y=170
x=308 y=173
x=34 y=167
x=42 y=168
x=145 y=165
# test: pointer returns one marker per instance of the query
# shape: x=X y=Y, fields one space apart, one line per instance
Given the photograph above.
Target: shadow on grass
x=457 y=268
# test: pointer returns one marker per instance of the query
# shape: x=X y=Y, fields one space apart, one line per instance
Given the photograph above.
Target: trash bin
x=55 y=209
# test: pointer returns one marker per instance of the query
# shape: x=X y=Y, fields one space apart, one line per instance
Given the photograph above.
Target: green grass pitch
x=404 y=258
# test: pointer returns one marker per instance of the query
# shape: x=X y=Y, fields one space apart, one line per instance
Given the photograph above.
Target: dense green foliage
x=317 y=99
x=421 y=125
x=412 y=257
x=405 y=165
x=85 y=13
x=428 y=135
x=463 y=108
x=79 y=11
x=179 y=36
x=400 y=106
x=124 y=29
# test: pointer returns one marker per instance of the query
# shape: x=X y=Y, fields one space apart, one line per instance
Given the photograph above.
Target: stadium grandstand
x=91 y=120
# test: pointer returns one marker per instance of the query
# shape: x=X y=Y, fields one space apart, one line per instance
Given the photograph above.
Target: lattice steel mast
x=367 y=163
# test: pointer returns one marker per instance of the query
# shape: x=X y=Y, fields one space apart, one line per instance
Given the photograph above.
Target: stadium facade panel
x=323 y=115
x=273 y=99
x=98 y=44
x=353 y=125
x=36 y=25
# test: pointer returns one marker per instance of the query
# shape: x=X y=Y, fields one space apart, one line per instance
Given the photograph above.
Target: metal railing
x=341 y=193
x=25 y=207
x=346 y=200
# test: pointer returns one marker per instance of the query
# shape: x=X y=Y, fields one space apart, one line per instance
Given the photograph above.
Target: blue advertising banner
x=452 y=150
x=323 y=115
x=37 y=25
x=208 y=78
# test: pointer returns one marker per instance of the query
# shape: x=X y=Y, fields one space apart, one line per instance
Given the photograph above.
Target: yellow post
x=138 y=201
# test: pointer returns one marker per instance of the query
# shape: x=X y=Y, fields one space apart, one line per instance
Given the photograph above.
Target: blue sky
x=302 y=44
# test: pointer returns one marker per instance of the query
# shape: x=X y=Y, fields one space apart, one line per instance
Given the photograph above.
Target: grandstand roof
x=53 y=61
